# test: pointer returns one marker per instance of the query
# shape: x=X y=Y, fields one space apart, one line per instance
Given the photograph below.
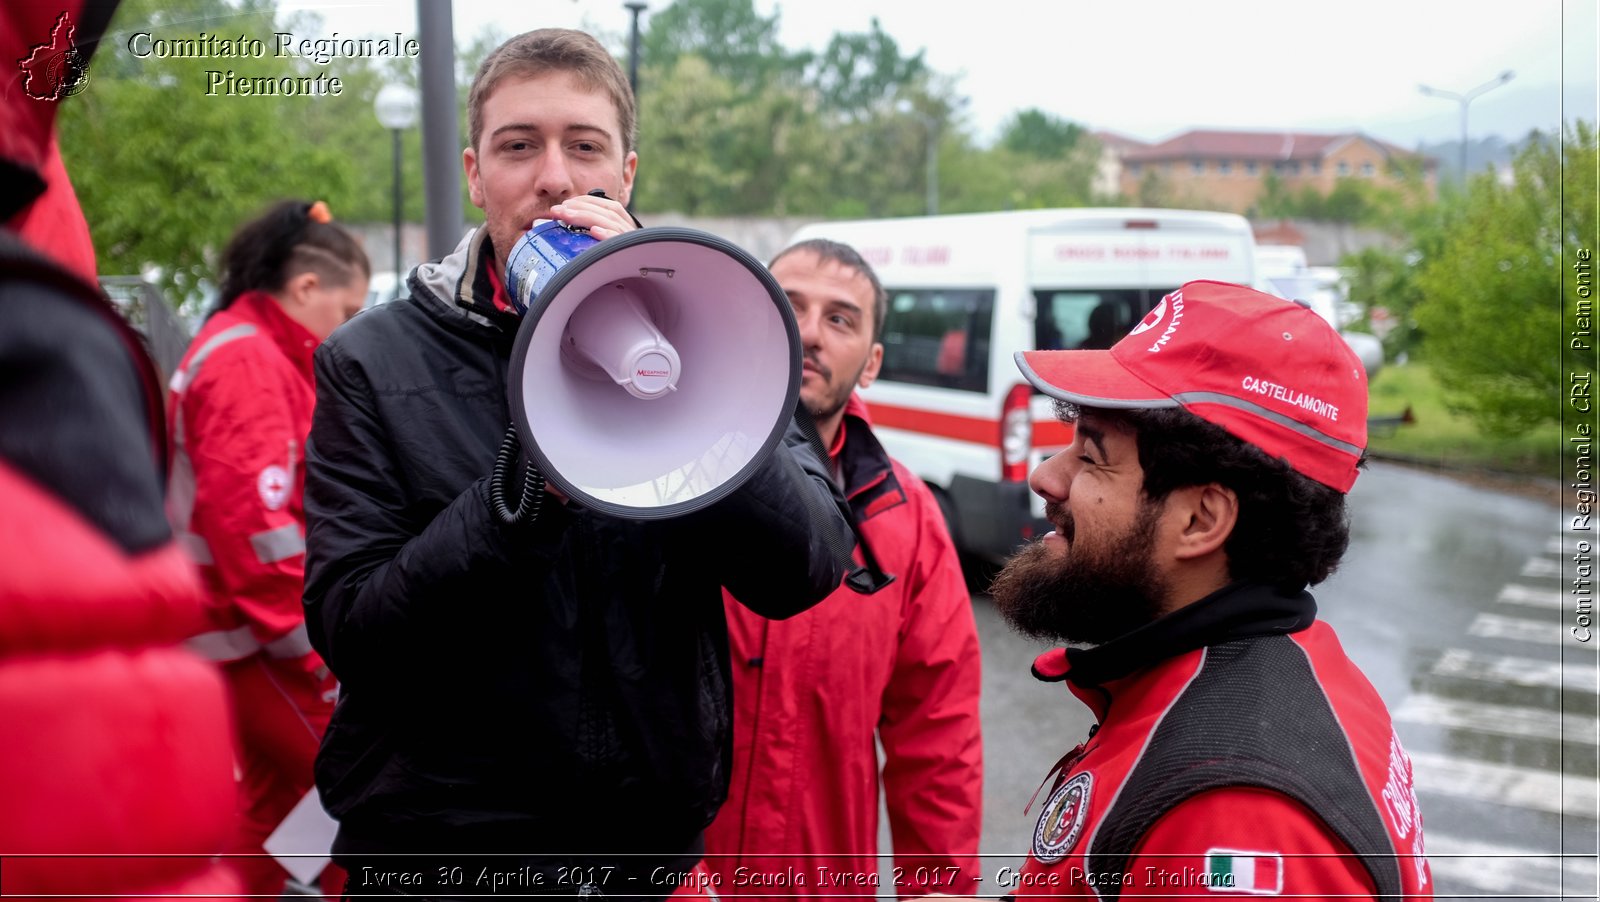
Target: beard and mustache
x=1090 y=592
x=834 y=397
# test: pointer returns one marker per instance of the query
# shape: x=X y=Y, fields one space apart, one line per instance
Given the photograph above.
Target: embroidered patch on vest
x=1232 y=871
x=273 y=484
x=1061 y=821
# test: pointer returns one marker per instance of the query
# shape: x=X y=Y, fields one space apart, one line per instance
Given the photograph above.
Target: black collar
x=863 y=462
x=1235 y=611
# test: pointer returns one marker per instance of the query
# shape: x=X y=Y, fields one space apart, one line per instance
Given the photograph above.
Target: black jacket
x=559 y=687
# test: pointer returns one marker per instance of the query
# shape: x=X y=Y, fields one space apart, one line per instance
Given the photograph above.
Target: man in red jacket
x=811 y=693
x=1238 y=750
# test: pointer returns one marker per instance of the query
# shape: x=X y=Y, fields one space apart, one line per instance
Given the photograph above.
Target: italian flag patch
x=1233 y=871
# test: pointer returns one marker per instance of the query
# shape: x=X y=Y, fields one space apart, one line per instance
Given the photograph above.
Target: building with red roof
x=1228 y=170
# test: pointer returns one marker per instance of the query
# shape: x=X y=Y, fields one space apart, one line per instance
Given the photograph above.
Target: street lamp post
x=633 y=64
x=930 y=129
x=633 y=49
x=931 y=186
x=1466 y=100
x=396 y=107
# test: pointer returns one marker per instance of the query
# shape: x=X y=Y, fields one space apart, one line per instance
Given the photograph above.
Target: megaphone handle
x=532 y=493
x=601 y=192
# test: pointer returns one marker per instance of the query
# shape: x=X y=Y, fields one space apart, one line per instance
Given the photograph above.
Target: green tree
x=1492 y=298
x=861 y=74
x=1039 y=161
x=1155 y=190
x=348 y=126
x=166 y=163
x=1274 y=202
x=881 y=160
x=1384 y=283
x=737 y=43
x=1035 y=133
x=732 y=123
x=997 y=178
x=710 y=151
x=182 y=167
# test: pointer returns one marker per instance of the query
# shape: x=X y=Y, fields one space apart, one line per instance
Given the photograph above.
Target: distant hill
x=1492 y=150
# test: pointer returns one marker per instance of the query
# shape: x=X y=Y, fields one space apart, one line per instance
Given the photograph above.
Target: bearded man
x=1237 y=748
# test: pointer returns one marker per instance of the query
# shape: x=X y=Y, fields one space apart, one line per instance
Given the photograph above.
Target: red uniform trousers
x=281 y=711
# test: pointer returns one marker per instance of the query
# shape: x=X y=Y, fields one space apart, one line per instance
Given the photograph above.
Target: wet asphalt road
x=1454 y=601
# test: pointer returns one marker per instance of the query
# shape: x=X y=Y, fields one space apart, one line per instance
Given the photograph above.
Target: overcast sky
x=1152 y=68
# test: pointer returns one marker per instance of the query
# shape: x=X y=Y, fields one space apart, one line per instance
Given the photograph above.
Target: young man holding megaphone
x=543 y=705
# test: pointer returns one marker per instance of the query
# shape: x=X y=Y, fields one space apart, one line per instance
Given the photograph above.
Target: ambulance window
x=1090 y=318
x=938 y=337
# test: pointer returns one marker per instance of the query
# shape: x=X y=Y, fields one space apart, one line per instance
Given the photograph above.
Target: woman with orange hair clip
x=240 y=411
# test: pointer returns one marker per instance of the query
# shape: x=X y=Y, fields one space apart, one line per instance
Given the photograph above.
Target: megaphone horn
x=653 y=372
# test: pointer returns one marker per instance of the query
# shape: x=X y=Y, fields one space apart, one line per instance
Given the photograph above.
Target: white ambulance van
x=968 y=291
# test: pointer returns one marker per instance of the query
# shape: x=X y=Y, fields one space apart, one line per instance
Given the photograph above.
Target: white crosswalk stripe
x=1527 y=596
x=1499 y=720
x=1494 y=626
x=1506 y=784
x=1537 y=700
x=1457 y=663
x=1491 y=868
x=1572 y=543
x=1542 y=567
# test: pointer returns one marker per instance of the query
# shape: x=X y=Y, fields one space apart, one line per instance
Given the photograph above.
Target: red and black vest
x=1241 y=690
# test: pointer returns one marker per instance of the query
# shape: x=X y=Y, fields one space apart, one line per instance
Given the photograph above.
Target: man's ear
x=1204 y=516
x=869 y=373
x=630 y=165
x=469 y=163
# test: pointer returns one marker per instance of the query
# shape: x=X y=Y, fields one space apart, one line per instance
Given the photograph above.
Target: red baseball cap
x=1270 y=371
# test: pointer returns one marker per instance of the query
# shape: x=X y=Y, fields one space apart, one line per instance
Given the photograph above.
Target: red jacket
x=116 y=756
x=240 y=411
x=812 y=691
x=1238 y=751
x=37 y=201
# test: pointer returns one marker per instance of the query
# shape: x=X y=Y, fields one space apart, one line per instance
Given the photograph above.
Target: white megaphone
x=653 y=372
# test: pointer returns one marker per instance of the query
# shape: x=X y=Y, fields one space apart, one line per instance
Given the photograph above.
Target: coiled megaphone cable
x=532 y=494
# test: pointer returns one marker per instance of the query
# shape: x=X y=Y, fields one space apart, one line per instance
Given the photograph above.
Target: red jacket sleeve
x=1253 y=841
x=241 y=439
x=933 y=771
